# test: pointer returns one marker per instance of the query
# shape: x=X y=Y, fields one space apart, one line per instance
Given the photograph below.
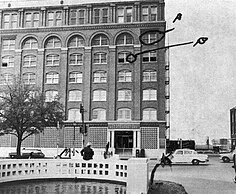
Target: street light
x=74 y=125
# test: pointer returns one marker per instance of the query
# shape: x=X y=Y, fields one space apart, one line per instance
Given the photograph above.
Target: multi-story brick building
x=77 y=50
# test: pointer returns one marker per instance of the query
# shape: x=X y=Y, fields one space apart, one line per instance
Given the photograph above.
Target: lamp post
x=83 y=125
x=74 y=124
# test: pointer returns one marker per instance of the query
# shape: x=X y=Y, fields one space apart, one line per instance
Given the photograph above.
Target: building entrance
x=123 y=142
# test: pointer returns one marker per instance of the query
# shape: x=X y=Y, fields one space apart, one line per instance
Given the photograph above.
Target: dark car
x=28 y=153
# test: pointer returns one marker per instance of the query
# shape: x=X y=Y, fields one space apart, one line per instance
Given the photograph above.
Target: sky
x=202 y=78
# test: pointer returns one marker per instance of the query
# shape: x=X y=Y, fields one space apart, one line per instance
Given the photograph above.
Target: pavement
x=215 y=177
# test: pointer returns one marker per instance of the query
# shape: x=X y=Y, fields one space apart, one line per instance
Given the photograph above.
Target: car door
x=178 y=156
x=188 y=156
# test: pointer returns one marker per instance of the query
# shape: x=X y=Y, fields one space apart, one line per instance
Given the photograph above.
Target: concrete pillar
x=112 y=139
x=138 y=176
x=138 y=139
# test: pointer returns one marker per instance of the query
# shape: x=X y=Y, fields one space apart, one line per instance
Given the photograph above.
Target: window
x=76 y=41
x=124 y=95
x=58 y=18
x=104 y=15
x=10 y=21
x=129 y=14
x=125 y=76
x=100 y=77
x=8 y=44
x=120 y=14
x=99 y=114
x=99 y=95
x=144 y=14
x=149 y=37
x=100 y=58
x=149 y=114
x=96 y=16
x=6 y=79
x=30 y=43
x=50 y=18
x=75 y=77
x=153 y=13
x=35 y=19
x=52 y=78
x=149 y=94
x=8 y=61
x=122 y=57
x=73 y=17
x=52 y=60
x=75 y=95
x=74 y=114
x=124 y=114
x=53 y=42
x=51 y=95
x=81 y=16
x=28 y=17
x=29 y=78
x=124 y=39
x=76 y=59
x=29 y=61
x=100 y=40
x=150 y=56
x=149 y=76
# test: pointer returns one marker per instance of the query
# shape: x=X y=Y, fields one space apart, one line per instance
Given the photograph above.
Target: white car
x=227 y=157
x=188 y=156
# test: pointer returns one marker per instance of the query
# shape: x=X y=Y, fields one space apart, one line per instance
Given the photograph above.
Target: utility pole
x=83 y=125
x=74 y=124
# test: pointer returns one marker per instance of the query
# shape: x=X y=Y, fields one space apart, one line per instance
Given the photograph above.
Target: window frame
x=101 y=77
x=31 y=62
x=75 y=96
x=76 y=76
x=54 y=77
x=149 y=94
x=126 y=114
x=99 y=95
x=124 y=95
x=50 y=95
x=100 y=111
x=30 y=79
x=152 y=114
x=9 y=61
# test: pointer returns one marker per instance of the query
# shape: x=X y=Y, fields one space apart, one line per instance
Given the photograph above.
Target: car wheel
x=195 y=162
x=226 y=159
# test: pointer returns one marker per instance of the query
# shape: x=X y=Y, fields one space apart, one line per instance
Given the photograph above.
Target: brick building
x=77 y=50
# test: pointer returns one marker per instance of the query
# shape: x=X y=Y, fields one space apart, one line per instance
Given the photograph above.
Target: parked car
x=187 y=156
x=28 y=153
x=227 y=157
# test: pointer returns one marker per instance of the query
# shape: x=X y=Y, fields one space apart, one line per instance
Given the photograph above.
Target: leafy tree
x=24 y=111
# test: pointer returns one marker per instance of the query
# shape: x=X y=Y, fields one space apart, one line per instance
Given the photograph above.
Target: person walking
x=87 y=152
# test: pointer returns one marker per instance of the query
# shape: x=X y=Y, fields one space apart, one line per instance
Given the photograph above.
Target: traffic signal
x=81 y=109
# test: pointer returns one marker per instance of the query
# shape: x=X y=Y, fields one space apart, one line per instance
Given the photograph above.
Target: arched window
x=8 y=61
x=100 y=77
x=124 y=95
x=53 y=42
x=29 y=78
x=75 y=95
x=149 y=76
x=51 y=95
x=124 y=114
x=125 y=76
x=100 y=40
x=99 y=114
x=52 y=60
x=30 y=43
x=74 y=114
x=100 y=58
x=52 y=78
x=6 y=79
x=75 y=77
x=76 y=59
x=125 y=39
x=76 y=41
x=149 y=114
x=99 y=95
x=149 y=94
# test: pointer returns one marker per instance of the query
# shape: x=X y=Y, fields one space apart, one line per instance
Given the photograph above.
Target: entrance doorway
x=124 y=142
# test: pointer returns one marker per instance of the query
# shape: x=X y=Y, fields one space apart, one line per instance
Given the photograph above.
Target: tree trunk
x=18 y=148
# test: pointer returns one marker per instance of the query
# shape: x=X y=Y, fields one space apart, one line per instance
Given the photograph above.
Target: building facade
x=78 y=51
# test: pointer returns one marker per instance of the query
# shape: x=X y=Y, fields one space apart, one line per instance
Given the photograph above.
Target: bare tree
x=24 y=111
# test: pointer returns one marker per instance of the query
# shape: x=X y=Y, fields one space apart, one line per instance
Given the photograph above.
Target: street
x=215 y=177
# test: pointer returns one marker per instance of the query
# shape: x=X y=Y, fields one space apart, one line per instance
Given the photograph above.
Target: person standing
x=87 y=152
